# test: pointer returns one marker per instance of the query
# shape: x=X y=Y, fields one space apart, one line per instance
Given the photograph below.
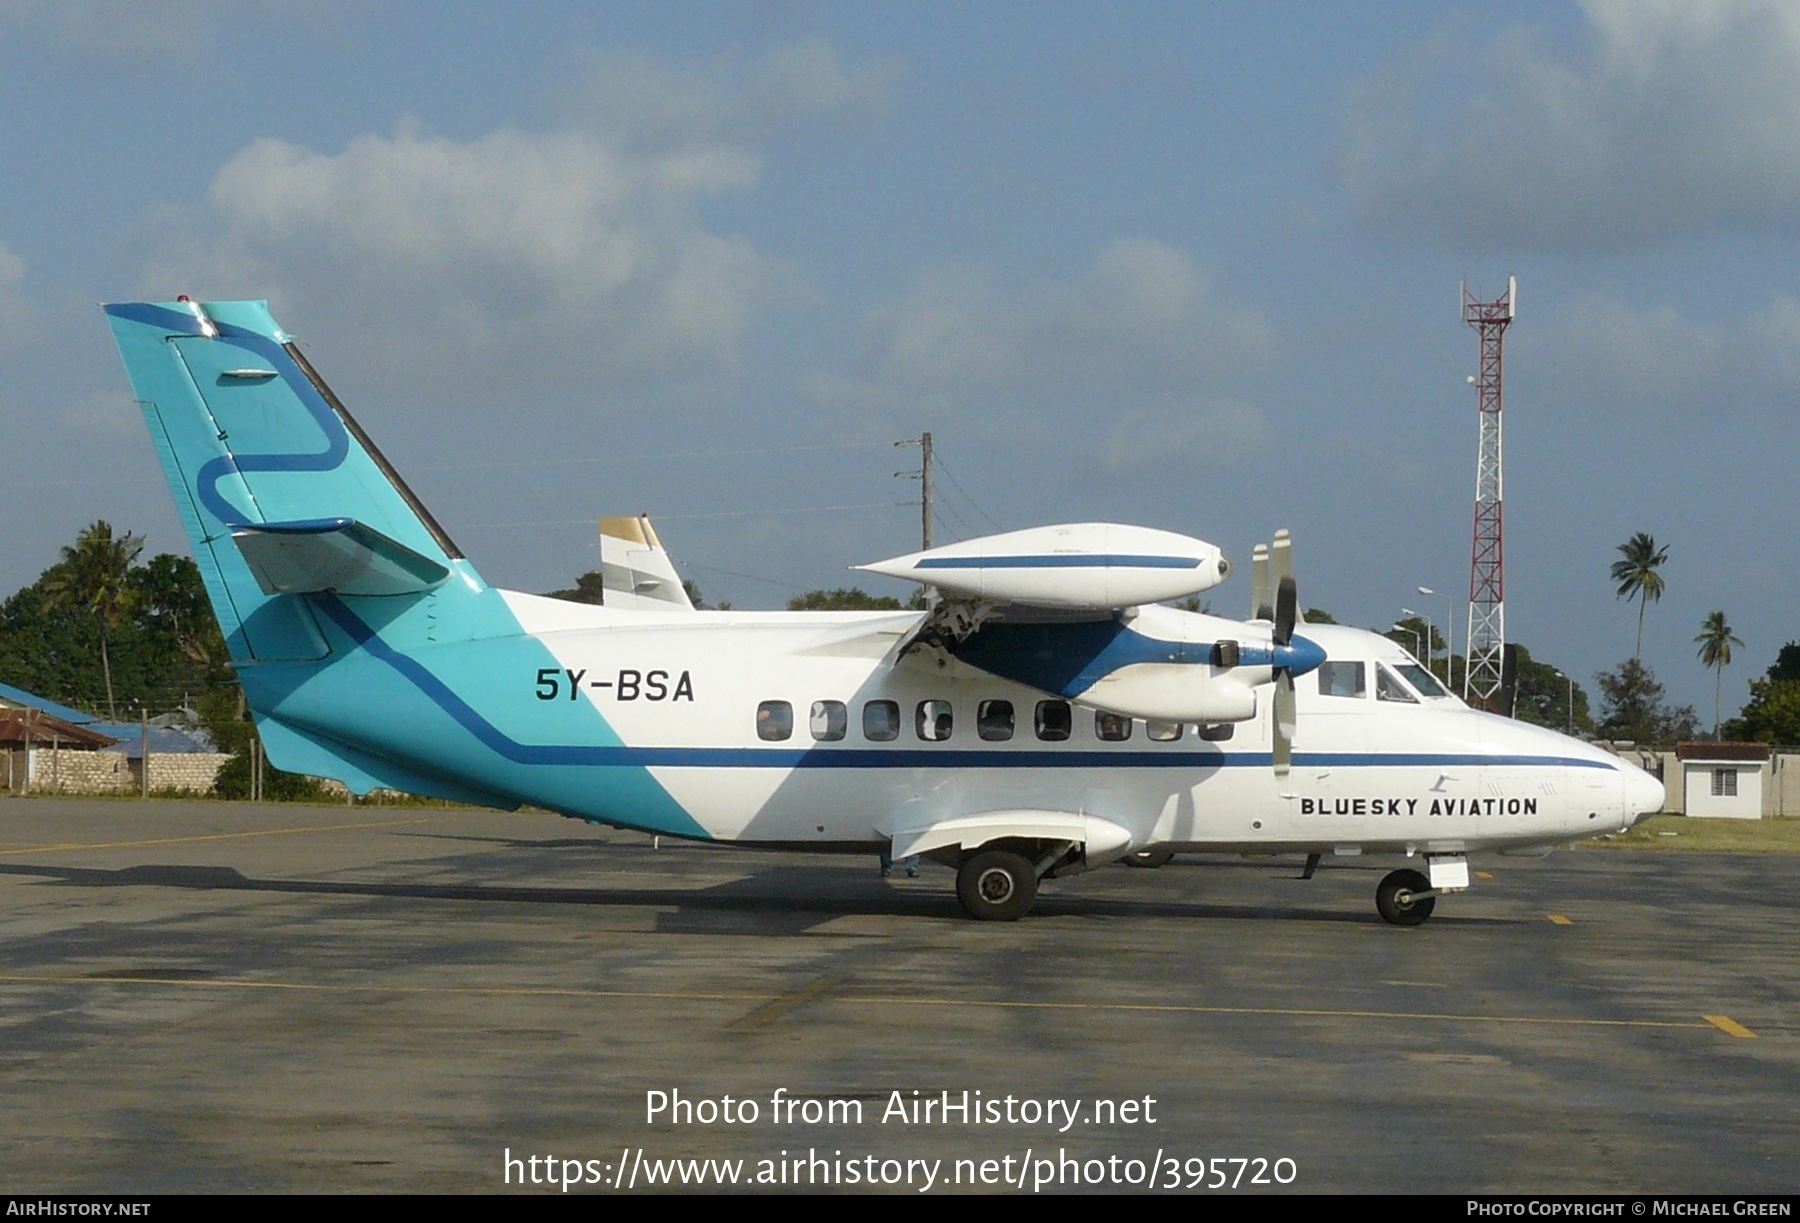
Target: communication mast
x=1484 y=658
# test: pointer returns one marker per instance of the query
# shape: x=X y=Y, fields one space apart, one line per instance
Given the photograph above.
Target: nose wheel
x=1405 y=898
x=996 y=885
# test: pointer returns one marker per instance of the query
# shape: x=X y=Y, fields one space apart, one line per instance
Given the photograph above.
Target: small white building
x=1723 y=779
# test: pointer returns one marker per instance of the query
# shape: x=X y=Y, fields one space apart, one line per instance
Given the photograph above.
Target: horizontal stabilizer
x=333 y=554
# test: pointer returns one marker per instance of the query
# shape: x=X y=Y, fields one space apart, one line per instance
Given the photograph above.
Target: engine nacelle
x=1171 y=692
x=1089 y=565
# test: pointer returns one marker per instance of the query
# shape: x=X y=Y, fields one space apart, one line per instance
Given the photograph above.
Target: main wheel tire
x=996 y=885
x=1395 y=898
x=1149 y=859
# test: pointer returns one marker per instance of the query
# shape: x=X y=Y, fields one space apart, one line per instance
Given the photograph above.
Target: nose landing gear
x=1405 y=898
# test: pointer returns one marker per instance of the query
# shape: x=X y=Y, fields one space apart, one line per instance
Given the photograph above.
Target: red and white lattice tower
x=1487 y=574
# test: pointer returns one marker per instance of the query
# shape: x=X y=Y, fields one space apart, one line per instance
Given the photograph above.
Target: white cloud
x=1137 y=362
x=168 y=30
x=521 y=257
x=1676 y=119
x=1602 y=354
x=647 y=101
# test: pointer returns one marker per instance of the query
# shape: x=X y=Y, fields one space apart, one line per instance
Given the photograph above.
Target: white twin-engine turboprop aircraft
x=1049 y=714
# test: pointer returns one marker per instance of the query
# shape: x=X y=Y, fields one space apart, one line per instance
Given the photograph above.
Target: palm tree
x=1715 y=642
x=91 y=577
x=1638 y=578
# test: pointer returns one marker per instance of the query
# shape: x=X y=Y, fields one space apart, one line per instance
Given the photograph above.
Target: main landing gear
x=1405 y=898
x=996 y=885
x=1149 y=859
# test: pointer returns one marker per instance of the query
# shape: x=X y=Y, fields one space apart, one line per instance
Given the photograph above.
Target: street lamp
x=1560 y=675
x=1426 y=620
x=1401 y=628
x=1449 y=628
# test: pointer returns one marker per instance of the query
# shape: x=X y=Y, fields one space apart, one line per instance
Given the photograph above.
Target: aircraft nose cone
x=1644 y=794
x=1299 y=656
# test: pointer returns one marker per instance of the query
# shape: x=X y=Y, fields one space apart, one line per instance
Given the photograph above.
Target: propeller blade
x=1284 y=722
x=1287 y=610
x=1262 y=603
x=1281 y=556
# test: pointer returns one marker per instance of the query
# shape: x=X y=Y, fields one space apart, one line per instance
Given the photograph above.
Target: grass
x=1677 y=832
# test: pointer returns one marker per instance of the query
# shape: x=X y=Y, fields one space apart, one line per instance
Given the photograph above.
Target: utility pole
x=925 y=491
x=925 y=500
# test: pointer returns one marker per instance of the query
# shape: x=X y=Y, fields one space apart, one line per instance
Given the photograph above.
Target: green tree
x=1632 y=707
x=587 y=589
x=1715 y=641
x=852 y=599
x=94 y=577
x=1637 y=576
x=1543 y=694
x=1773 y=713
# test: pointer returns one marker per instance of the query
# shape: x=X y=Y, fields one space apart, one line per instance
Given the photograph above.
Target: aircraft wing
x=1074 y=611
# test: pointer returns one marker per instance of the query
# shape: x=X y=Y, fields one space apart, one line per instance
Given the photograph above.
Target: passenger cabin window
x=1424 y=681
x=774 y=721
x=829 y=722
x=1217 y=733
x=931 y=721
x=994 y=721
x=881 y=721
x=1389 y=688
x=1054 y=721
x=1341 y=679
x=1112 y=727
x=1163 y=732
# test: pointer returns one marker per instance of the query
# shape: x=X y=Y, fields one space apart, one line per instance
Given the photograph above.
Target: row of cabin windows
x=935 y=722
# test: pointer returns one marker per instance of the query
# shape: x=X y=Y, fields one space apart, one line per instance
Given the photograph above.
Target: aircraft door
x=1333 y=709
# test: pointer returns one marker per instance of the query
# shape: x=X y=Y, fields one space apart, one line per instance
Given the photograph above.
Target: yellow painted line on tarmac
x=1730 y=1026
x=1295 y=1012
x=485 y=991
x=776 y=1007
x=1484 y=874
x=821 y=992
x=15 y=851
x=1560 y=920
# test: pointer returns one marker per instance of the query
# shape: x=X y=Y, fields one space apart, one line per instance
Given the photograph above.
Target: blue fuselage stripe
x=1077 y=560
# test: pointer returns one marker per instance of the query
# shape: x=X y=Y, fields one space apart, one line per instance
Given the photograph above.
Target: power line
x=973 y=504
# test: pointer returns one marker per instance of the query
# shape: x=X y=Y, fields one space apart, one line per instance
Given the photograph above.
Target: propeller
x=1280 y=566
x=1262 y=607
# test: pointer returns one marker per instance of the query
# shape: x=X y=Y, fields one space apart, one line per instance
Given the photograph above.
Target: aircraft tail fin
x=281 y=492
x=635 y=569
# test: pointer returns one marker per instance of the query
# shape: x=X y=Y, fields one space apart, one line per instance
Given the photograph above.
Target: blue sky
x=1192 y=266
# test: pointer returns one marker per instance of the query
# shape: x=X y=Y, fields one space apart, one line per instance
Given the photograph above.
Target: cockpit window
x=1423 y=680
x=1389 y=688
x=1341 y=679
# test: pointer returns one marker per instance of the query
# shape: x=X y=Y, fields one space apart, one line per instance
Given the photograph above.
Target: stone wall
x=66 y=771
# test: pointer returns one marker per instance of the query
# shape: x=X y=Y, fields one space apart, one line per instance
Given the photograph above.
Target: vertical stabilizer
x=280 y=491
